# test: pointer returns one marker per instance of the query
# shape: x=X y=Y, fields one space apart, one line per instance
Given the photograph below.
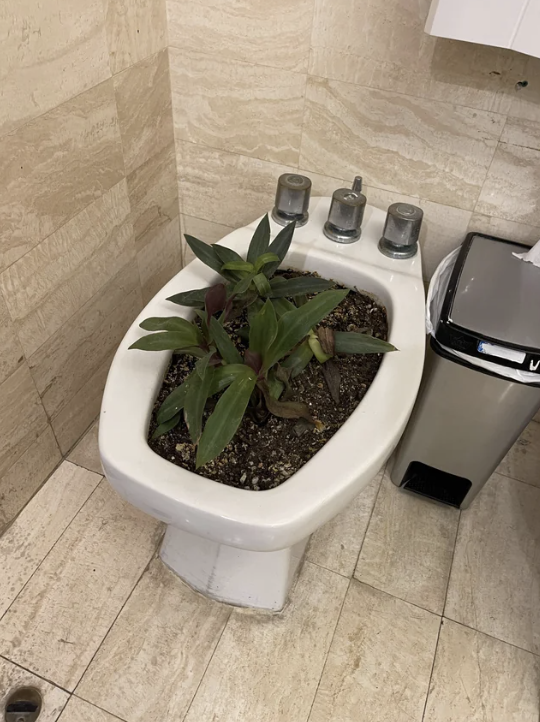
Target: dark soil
x=261 y=457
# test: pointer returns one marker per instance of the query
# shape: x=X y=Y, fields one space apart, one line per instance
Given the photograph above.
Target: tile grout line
x=374 y=88
x=238 y=61
x=519 y=481
x=328 y=651
x=93 y=704
x=458 y=525
x=36 y=674
x=441 y=617
x=110 y=76
x=145 y=569
x=321 y=566
x=477 y=201
x=341 y=180
x=92 y=298
x=70 y=218
x=76 y=443
x=203 y=675
x=490 y=636
x=307 y=64
x=53 y=471
x=394 y=596
x=432 y=668
x=2 y=616
x=369 y=520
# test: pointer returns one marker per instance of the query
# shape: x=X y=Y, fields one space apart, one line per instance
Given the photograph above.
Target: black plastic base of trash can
x=436 y=484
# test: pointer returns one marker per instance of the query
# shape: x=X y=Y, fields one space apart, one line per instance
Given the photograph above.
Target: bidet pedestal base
x=227 y=574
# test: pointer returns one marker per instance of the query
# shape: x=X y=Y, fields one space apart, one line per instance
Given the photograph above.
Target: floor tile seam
x=38 y=567
x=491 y=636
x=105 y=636
x=6 y=658
x=203 y=675
x=93 y=704
x=308 y=718
x=383 y=470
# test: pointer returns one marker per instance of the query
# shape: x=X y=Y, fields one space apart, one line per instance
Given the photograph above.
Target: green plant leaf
x=243 y=332
x=263 y=329
x=198 y=390
x=282 y=305
x=173 y=404
x=225 y=254
x=202 y=363
x=275 y=386
x=167 y=341
x=243 y=284
x=225 y=375
x=296 y=324
x=194 y=298
x=238 y=266
x=300 y=300
x=298 y=359
x=196 y=351
x=245 y=302
x=168 y=323
x=202 y=315
x=352 y=342
x=260 y=240
x=264 y=259
x=280 y=245
x=228 y=351
x=166 y=426
x=204 y=252
x=315 y=345
x=285 y=409
x=290 y=287
x=222 y=377
x=226 y=417
x=254 y=308
x=261 y=284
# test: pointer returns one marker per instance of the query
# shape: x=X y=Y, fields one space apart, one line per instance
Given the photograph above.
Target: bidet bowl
x=215 y=517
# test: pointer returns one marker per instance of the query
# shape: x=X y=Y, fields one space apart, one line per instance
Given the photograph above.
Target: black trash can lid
x=492 y=305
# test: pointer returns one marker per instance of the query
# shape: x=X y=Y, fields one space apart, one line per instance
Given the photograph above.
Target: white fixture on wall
x=511 y=24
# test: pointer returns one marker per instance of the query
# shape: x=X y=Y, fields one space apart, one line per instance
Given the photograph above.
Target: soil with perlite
x=263 y=455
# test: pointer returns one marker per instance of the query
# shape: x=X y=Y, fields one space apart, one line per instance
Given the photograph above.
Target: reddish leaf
x=286 y=409
x=215 y=300
x=228 y=309
x=253 y=359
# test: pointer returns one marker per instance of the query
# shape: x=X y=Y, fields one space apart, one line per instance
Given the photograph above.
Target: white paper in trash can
x=434 y=303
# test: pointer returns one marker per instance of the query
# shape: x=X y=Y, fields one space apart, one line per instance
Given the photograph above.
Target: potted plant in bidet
x=270 y=366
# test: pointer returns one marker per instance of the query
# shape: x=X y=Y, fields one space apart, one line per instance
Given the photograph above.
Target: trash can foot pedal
x=435 y=484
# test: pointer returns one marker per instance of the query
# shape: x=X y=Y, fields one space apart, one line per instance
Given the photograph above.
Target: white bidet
x=241 y=546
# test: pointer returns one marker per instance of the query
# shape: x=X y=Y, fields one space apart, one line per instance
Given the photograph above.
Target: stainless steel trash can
x=481 y=383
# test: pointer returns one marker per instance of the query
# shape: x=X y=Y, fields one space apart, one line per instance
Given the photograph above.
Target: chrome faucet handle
x=401 y=231
x=344 y=224
x=292 y=199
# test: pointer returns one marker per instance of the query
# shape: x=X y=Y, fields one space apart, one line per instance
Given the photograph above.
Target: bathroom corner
x=126 y=124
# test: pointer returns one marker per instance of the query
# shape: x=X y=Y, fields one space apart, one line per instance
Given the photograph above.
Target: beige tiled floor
x=405 y=611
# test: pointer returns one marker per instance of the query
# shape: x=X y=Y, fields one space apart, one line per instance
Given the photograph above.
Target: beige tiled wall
x=339 y=87
x=112 y=109
x=89 y=217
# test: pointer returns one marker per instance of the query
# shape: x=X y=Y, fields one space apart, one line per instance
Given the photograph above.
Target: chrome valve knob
x=292 y=199
x=344 y=224
x=401 y=231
